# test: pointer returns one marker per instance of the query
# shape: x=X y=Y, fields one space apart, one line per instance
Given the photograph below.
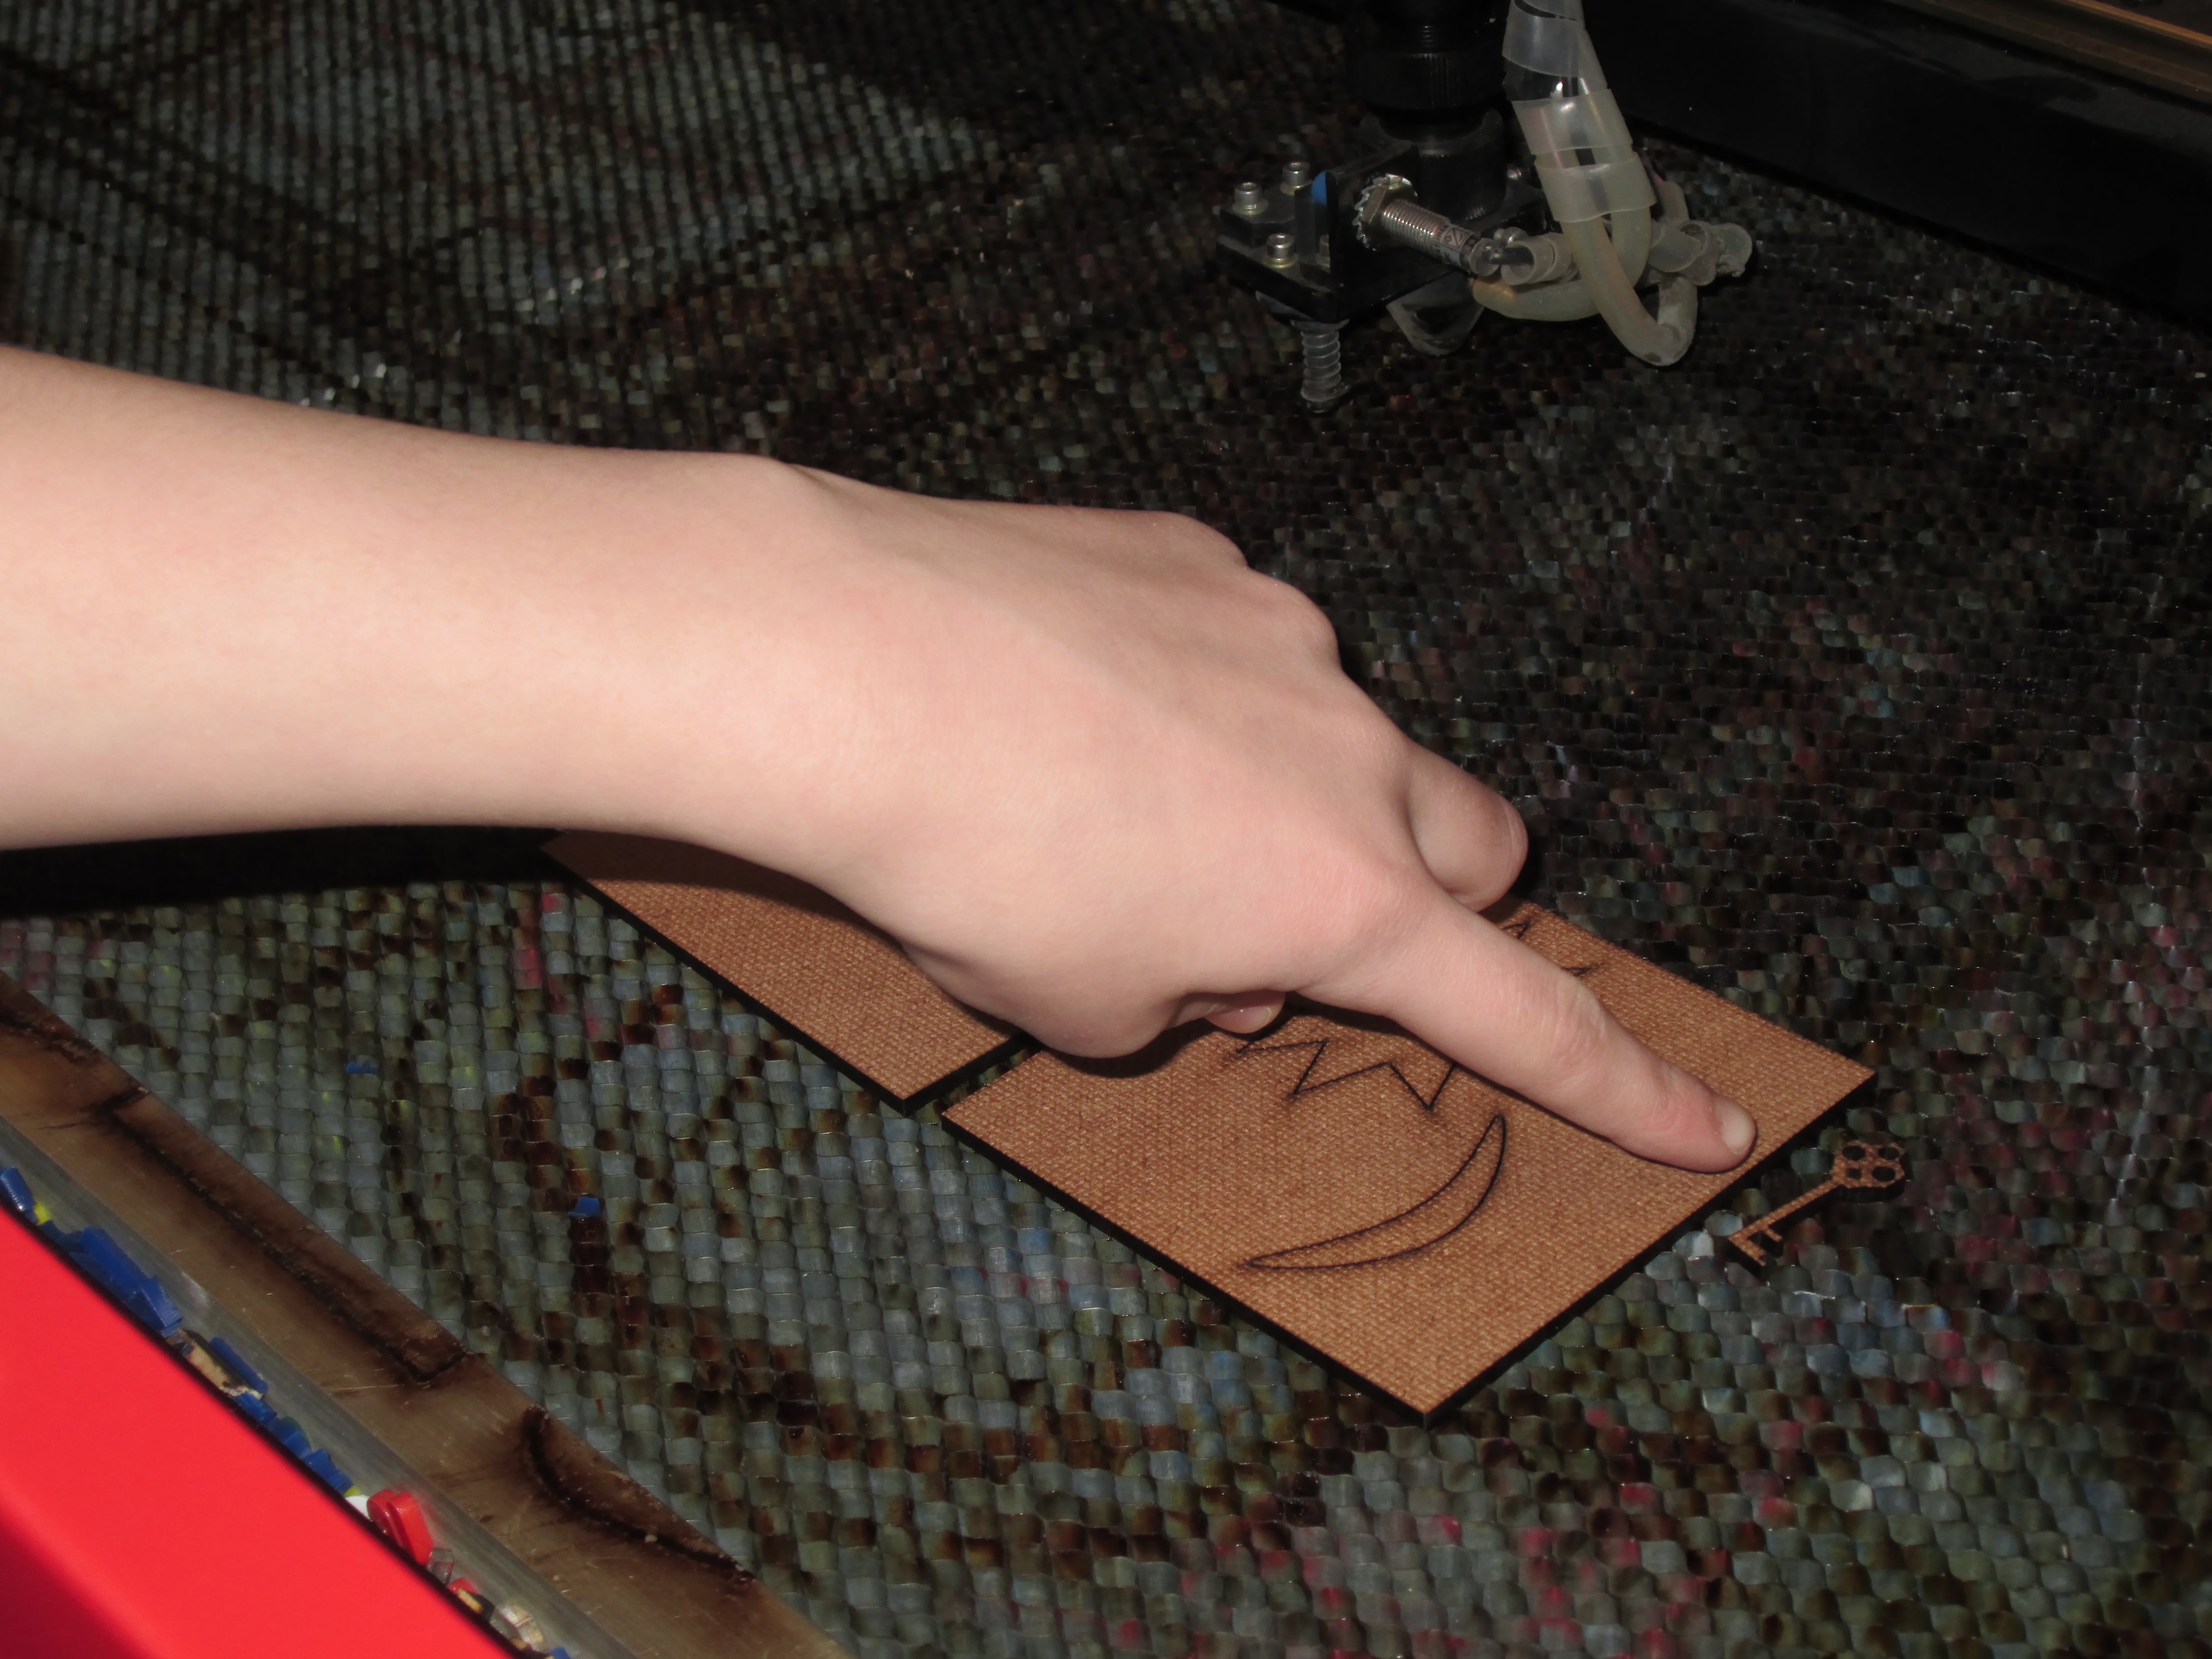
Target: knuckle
x=1484 y=842
x=1098 y=1038
x=1386 y=907
x=1676 y=1115
x=1512 y=830
x=1673 y=1116
x=1189 y=536
x=1344 y=909
x=1311 y=628
x=1301 y=624
x=1071 y=1014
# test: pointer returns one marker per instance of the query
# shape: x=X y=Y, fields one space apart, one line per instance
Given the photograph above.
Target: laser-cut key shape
x=1860 y=1165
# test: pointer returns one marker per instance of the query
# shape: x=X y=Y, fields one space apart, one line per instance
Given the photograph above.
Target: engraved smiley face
x=1406 y=1072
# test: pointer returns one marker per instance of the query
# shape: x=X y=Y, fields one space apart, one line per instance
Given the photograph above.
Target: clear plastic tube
x=1554 y=303
x=1661 y=339
x=1596 y=187
x=1570 y=301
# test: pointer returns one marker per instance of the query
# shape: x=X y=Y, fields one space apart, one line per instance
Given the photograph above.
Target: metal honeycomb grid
x=1852 y=668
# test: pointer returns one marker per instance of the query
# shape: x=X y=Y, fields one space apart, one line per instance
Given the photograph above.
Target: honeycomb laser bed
x=1850 y=666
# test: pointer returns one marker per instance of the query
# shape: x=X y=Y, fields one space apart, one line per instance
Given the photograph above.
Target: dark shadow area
x=1983 y=139
x=195 y=869
x=11 y=288
x=1977 y=136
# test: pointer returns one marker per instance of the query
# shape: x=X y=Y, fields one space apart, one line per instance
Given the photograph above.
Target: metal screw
x=1514 y=173
x=1282 y=249
x=1412 y=226
x=1324 y=349
x=1297 y=175
x=1386 y=213
x=1251 y=201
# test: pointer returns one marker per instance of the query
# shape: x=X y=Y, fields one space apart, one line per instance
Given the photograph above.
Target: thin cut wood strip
x=817 y=968
x=1404 y=1217
x=614 y=1549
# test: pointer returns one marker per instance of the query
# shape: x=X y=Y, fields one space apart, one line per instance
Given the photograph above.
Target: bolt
x=1297 y=175
x=1282 y=249
x=1324 y=349
x=1388 y=214
x=1515 y=173
x=1251 y=201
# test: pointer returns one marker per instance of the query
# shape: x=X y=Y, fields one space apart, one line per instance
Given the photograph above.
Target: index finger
x=1497 y=1007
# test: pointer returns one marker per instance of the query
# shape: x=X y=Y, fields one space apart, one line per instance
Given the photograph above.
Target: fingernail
x=1247 y=1018
x=1737 y=1127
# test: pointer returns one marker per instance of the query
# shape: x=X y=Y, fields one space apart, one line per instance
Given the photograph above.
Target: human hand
x=1101 y=779
x=1096 y=775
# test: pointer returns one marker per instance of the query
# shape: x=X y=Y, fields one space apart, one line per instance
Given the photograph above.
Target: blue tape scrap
x=221 y=1348
x=139 y=1292
x=15 y=1192
x=325 y=1468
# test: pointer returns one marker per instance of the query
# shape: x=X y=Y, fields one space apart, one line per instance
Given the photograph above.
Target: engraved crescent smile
x=1411 y=1231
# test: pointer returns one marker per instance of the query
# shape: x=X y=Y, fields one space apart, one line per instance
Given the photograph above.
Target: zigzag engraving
x=1307 y=1084
x=1430 y=1219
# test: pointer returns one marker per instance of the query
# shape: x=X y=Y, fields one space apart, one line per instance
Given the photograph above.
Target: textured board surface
x=1405 y=1218
x=798 y=952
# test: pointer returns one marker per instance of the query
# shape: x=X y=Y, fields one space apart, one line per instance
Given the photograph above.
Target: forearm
x=1094 y=773
x=224 y=613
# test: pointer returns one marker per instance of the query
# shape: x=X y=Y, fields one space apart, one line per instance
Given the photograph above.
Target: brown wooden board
x=1402 y=1216
x=814 y=965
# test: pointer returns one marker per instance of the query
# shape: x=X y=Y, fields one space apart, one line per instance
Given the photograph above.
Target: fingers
x=1497 y=1007
x=1472 y=841
x=1247 y=1014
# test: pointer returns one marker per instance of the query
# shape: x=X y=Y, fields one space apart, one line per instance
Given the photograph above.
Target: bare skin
x=1097 y=776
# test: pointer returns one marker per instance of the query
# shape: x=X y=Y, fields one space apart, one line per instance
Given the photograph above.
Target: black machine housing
x=1431 y=74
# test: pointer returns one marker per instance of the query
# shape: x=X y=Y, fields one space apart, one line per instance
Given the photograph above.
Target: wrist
x=730 y=623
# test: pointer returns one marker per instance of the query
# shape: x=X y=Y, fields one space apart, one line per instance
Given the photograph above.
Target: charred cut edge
x=582 y=1480
x=420 y=1346
x=23 y=1015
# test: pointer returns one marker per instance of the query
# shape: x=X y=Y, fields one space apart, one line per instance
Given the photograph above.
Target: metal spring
x=1324 y=362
